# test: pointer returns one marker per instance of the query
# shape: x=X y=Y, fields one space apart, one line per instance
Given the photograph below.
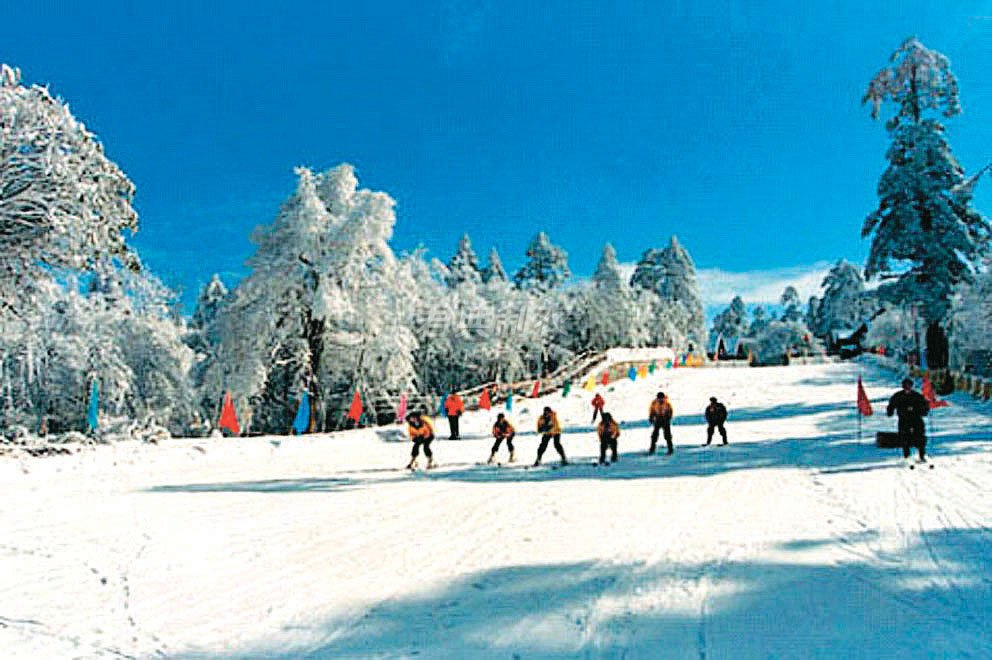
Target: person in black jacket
x=911 y=407
x=716 y=415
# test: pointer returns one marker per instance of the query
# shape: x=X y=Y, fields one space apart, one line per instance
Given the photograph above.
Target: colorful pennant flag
x=440 y=408
x=590 y=383
x=652 y=367
x=605 y=379
x=566 y=388
x=355 y=410
x=509 y=401
x=864 y=405
x=632 y=373
x=536 y=390
x=484 y=402
x=931 y=396
x=92 y=414
x=302 y=421
x=642 y=371
x=228 y=418
x=401 y=409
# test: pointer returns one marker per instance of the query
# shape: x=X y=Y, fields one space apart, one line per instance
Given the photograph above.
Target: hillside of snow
x=796 y=540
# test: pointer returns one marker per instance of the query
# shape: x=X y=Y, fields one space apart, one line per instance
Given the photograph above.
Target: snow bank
x=646 y=354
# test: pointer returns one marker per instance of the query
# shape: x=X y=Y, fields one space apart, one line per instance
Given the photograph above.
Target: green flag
x=566 y=388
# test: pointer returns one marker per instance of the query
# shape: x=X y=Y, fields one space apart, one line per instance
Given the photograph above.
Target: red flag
x=931 y=396
x=537 y=388
x=401 y=410
x=355 y=411
x=228 y=418
x=605 y=380
x=484 y=401
x=864 y=405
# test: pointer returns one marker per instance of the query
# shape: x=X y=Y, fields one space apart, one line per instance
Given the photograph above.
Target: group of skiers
x=660 y=414
x=910 y=406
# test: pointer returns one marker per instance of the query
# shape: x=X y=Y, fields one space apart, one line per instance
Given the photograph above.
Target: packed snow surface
x=796 y=540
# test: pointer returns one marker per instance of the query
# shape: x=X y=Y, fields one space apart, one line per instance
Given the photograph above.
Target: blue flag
x=632 y=373
x=509 y=401
x=440 y=408
x=302 y=421
x=91 y=415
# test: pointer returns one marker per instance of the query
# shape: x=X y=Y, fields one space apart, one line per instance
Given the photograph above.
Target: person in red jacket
x=454 y=407
x=597 y=405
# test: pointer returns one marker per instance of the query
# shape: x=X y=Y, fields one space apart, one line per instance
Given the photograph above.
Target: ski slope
x=796 y=540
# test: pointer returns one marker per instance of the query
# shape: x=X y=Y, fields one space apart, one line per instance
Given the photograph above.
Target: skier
x=550 y=429
x=597 y=406
x=660 y=415
x=911 y=407
x=608 y=431
x=716 y=415
x=503 y=430
x=454 y=407
x=422 y=433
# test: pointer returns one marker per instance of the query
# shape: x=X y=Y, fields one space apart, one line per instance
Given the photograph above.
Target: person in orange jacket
x=550 y=429
x=503 y=430
x=597 y=405
x=608 y=431
x=454 y=407
x=422 y=433
x=660 y=415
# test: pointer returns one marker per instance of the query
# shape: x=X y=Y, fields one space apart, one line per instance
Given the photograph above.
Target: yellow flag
x=642 y=371
x=590 y=384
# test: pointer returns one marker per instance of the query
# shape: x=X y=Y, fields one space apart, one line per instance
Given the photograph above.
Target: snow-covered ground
x=797 y=540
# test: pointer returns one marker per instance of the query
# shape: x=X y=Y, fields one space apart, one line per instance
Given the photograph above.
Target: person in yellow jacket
x=503 y=430
x=660 y=415
x=422 y=433
x=550 y=429
x=608 y=431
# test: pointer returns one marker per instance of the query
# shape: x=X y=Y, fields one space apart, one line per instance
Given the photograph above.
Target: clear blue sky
x=735 y=125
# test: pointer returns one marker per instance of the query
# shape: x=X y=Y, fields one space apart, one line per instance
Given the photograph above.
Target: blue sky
x=737 y=126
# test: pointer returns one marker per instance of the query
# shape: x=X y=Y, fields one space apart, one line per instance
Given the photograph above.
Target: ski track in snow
x=796 y=540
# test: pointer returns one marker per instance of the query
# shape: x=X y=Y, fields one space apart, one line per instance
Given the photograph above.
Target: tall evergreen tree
x=546 y=267
x=924 y=219
x=464 y=265
x=791 y=305
x=494 y=268
x=732 y=322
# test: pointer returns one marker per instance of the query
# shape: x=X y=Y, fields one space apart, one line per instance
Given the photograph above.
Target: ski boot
x=513 y=457
x=431 y=464
x=412 y=465
x=492 y=459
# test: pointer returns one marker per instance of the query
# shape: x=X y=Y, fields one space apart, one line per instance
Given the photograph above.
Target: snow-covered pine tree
x=791 y=305
x=732 y=322
x=464 y=265
x=971 y=319
x=606 y=313
x=494 y=268
x=759 y=320
x=546 y=267
x=844 y=304
x=925 y=235
x=679 y=286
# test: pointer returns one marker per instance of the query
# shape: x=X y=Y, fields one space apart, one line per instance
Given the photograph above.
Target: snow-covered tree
x=791 y=305
x=464 y=265
x=732 y=322
x=971 y=321
x=844 y=303
x=63 y=203
x=925 y=235
x=494 y=268
x=759 y=320
x=546 y=266
x=670 y=274
x=607 y=313
x=326 y=308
